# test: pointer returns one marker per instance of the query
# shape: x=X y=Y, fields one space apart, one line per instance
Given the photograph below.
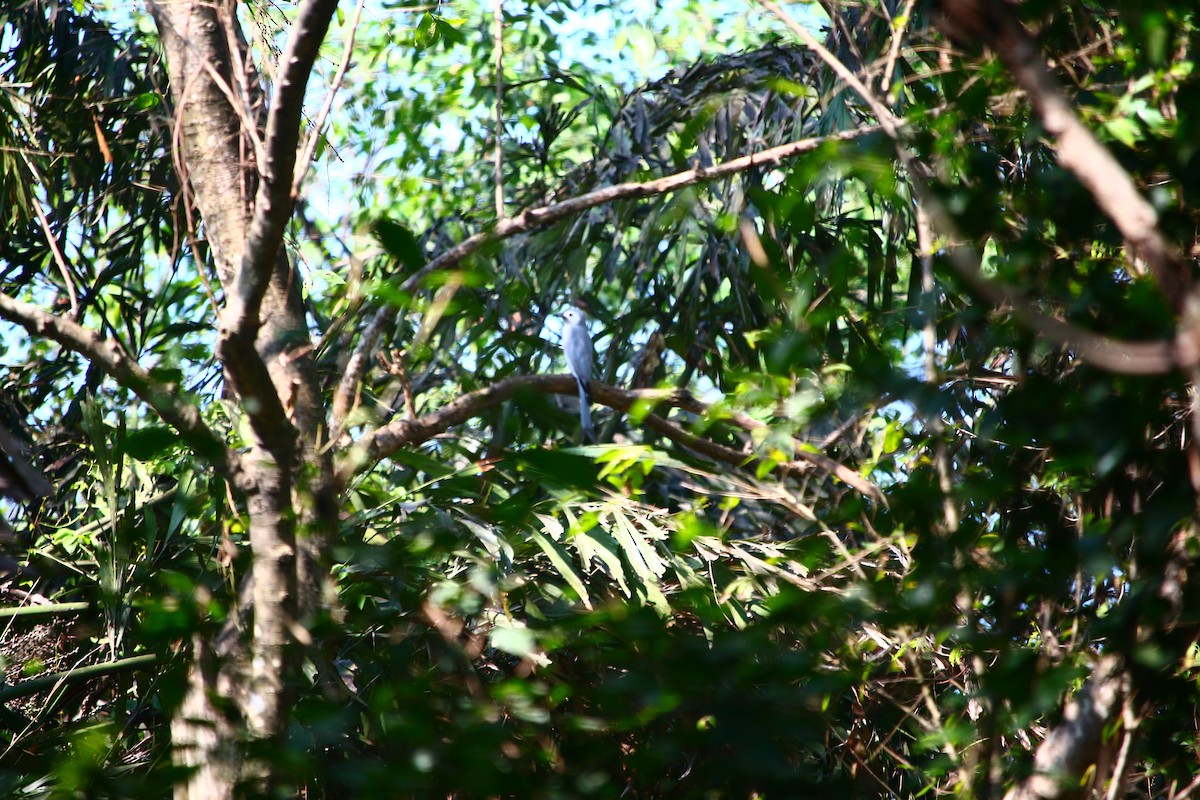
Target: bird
x=577 y=346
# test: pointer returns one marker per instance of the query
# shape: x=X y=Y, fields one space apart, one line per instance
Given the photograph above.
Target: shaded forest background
x=895 y=491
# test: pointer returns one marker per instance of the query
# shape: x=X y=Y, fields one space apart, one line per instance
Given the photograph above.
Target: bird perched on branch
x=577 y=346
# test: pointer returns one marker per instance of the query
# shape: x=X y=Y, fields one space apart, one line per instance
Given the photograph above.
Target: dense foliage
x=895 y=486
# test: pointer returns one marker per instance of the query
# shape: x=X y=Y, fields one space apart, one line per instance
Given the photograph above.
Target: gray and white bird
x=577 y=346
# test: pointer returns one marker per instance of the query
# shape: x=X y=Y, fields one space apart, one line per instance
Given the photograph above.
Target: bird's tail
x=585 y=411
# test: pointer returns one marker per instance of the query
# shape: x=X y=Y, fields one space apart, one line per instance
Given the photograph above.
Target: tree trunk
x=242 y=688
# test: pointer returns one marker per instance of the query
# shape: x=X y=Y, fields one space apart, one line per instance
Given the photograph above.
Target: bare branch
x=356 y=367
x=1128 y=358
x=899 y=25
x=59 y=259
x=111 y=357
x=311 y=145
x=264 y=407
x=407 y=432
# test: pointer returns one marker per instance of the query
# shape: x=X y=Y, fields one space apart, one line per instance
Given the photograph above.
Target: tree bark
x=236 y=154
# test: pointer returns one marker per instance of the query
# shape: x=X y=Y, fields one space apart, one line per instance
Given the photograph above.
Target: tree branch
x=995 y=24
x=356 y=367
x=543 y=216
x=1069 y=750
x=111 y=357
x=407 y=432
x=273 y=201
x=1114 y=355
x=239 y=323
x=310 y=146
x=534 y=218
x=1132 y=358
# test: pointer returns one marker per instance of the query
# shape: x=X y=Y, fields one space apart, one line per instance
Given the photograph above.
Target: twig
x=1188 y=790
x=887 y=120
x=898 y=26
x=218 y=80
x=941 y=453
x=356 y=367
x=310 y=146
x=395 y=367
x=1129 y=719
x=402 y=433
x=498 y=60
x=59 y=259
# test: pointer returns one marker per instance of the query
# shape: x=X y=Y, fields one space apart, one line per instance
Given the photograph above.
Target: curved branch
x=543 y=216
x=1127 y=358
x=407 y=432
x=111 y=357
x=534 y=218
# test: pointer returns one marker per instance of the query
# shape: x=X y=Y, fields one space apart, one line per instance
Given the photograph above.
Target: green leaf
x=603 y=549
x=1124 y=130
x=400 y=243
x=147 y=444
x=517 y=641
x=559 y=559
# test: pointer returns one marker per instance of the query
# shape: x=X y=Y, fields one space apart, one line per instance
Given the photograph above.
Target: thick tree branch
x=544 y=216
x=994 y=23
x=408 y=432
x=1073 y=746
x=273 y=208
x=251 y=378
x=273 y=202
x=111 y=357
